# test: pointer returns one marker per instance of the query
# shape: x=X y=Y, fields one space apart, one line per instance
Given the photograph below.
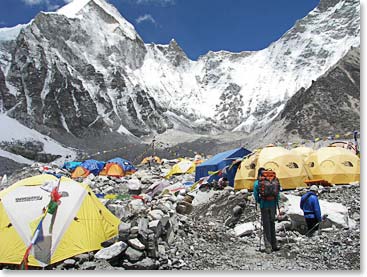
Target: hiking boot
x=268 y=250
x=276 y=248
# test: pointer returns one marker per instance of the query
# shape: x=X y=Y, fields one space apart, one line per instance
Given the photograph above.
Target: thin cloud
x=145 y=18
x=33 y=2
x=50 y=5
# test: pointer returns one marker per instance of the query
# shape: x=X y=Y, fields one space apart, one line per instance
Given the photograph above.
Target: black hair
x=260 y=171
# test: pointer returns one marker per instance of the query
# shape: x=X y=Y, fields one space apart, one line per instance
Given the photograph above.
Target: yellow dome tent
x=335 y=165
x=303 y=151
x=32 y=229
x=289 y=168
x=183 y=166
x=154 y=159
x=246 y=172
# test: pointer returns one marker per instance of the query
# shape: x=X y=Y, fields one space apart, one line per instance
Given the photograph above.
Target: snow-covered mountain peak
x=11 y=33
x=105 y=78
x=78 y=8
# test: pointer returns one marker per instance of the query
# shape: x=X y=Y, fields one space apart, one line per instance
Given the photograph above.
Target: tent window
x=311 y=164
x=348 y=164
x=292 y=165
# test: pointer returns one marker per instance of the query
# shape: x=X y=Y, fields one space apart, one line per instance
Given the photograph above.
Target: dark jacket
x=311 y=207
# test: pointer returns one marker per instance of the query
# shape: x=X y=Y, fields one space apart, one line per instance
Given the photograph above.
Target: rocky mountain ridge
x=104 y=78
x=84 y=77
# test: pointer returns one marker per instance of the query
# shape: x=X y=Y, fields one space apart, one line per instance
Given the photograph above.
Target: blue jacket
x=263 y=203
x=311 y=207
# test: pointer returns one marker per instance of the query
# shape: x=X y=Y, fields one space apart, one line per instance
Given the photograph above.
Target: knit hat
x=314 y=188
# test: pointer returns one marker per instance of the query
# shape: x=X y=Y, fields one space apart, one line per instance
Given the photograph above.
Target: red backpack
x=269 y=185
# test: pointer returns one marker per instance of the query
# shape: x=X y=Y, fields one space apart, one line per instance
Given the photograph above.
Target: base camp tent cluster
x=294 y=168
x=44 y=219
x=332 y=164
x=116 y=167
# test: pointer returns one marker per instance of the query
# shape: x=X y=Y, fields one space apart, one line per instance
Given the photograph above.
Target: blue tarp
x=93 y=166
x=71 y=165
x=220 y=161
x=125 y=164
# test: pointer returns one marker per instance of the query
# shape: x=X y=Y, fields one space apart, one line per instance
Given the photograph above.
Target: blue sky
x=197 y=25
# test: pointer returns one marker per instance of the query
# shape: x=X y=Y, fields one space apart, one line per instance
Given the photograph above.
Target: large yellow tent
x=335 y=165
x=79 y=224
x=289 y=167
x=183 y=166
x=303 y=151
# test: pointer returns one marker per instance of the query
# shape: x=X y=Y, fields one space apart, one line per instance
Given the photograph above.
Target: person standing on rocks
x=311 y=209
x=268 y=205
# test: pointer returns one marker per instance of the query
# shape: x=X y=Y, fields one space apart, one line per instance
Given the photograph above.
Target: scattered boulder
x=69 y=263
x=136 y=244
x=88 y=266
x=246 y=228
x=133 y=255
x=112 y=251
x=156 y=214
x=145 y=264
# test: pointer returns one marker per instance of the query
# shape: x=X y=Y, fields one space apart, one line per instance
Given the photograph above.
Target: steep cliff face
x=64 y=70
x=331 y=105
x=84 y=70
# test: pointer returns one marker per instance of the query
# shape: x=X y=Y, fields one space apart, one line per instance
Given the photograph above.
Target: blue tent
x=71 y=165
x=125 y=164
x=93 y=166
x=220 y=161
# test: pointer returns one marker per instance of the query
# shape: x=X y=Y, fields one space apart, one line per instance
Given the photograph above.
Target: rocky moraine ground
x=168 y=227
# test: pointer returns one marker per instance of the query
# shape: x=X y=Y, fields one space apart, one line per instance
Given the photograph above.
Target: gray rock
x=124 y=227
x=88 y=266
x=109 y=242
x=133 y=255
x=145 y=264
x=134 y=230
x=143 y=225
x=134 y=186
x=156 y=227
x=136 y=206
x=111 y=252
x=136 y=244
x=156 y=214
x=118 y=210
x=104 y=265
x=152 y=246
x=69 y=263
x=124 y=230
x=82 y=258
x=237 y=211
x=107 y=189
x=184 y=208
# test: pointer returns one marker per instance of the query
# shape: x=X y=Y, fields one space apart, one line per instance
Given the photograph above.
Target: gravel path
x=206 y=244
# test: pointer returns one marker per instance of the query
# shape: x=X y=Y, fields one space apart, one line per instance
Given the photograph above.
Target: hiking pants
x=311 y=222
x=268 y=221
